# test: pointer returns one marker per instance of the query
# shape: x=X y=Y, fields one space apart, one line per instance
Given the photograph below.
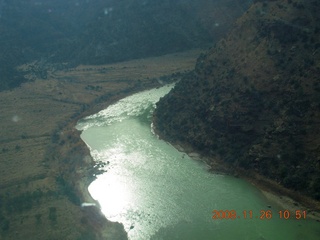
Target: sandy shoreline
x=287 y=203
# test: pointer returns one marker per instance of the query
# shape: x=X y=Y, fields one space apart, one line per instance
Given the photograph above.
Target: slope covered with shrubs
x=253 y=99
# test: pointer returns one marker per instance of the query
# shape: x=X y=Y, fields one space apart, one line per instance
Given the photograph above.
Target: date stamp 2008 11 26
x=263 y=214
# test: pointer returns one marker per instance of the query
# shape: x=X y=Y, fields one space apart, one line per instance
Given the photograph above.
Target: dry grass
x=39 y=142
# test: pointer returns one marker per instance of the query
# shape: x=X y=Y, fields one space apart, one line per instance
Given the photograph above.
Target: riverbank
x=154 y=73
x=44 y=163
x=284 y=198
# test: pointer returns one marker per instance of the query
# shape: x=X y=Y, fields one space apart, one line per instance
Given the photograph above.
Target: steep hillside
x=105 y=31
x=253 y=100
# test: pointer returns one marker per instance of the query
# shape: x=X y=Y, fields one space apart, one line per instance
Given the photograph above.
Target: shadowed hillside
x=77 y=32
x=253 y=100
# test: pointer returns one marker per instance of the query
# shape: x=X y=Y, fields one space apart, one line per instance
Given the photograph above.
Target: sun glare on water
x=114 y=204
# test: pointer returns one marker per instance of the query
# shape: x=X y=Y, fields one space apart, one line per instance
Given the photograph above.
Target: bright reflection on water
x=160 y=193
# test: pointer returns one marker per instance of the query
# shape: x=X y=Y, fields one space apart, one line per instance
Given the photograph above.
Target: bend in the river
x=157 y=192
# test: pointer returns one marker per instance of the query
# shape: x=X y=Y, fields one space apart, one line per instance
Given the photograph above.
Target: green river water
x=157 y=192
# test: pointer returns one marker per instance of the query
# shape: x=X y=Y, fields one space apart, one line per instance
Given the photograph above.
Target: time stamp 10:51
x=263 y=214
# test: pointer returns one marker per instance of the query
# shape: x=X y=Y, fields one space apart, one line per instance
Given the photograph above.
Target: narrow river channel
x=157 y=192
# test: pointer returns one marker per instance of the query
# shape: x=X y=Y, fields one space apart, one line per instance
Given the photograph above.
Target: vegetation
x=43 y=160
x=52 y=215
x=21 y=202
x=252 y=100
x=67 y=189
x=63 y=34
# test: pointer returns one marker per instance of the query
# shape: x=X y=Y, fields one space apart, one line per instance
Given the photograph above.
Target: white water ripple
x=157 y=192
x=133 y=105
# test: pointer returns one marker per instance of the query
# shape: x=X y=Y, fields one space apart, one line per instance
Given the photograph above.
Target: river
x=157 y=192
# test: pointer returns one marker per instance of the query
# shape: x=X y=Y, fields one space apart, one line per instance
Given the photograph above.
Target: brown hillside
x=254 y=98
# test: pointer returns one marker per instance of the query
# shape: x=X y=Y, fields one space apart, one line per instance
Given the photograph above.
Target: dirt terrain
x=44 y=166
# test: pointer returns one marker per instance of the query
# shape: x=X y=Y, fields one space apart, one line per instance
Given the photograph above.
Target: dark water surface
x=157 y=192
